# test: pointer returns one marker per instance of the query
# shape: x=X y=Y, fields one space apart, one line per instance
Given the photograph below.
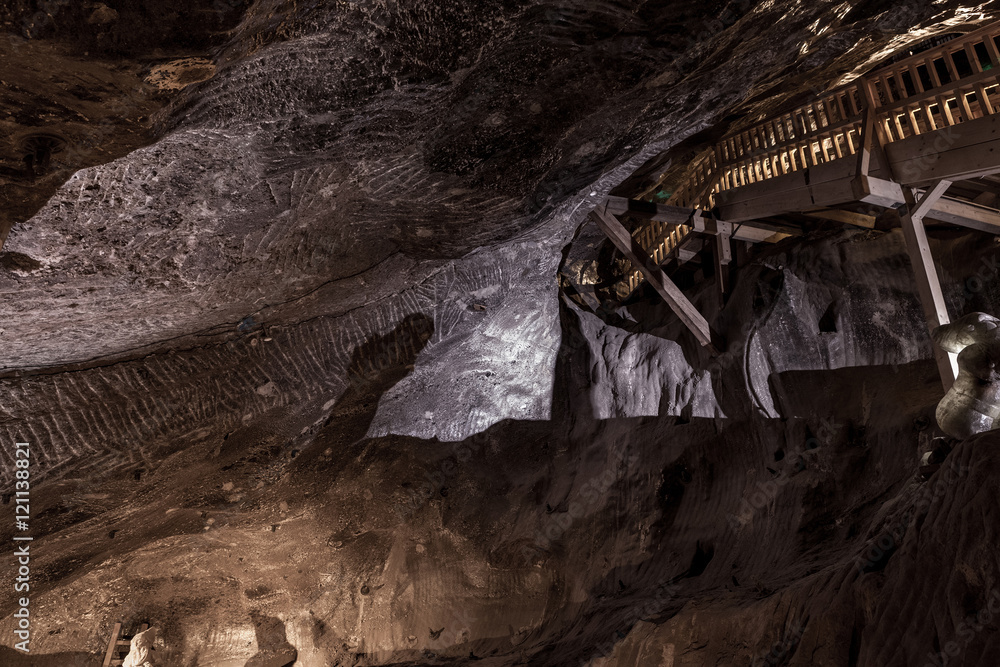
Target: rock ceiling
x=271 y=267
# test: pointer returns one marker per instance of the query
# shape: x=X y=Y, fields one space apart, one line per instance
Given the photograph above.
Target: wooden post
x=679 y=303
x=928 y=284
x=723 y=254
x=112 y=645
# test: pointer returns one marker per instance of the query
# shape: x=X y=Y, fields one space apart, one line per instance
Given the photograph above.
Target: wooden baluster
x=905 y=95
x=889 y=98
x=896 y=115
x=932 y=72
x=925 y=104
x=994 y=53
x=985 y=106
x=854 y=97
x=748 y=142
x=783 y=140
x=868 y=90
x=765 y=143
x=823 y=150
x=944 y=109
x=839 y=97
x=802 y=123
x=772 y=131
x=835 y=138
x=911 y=113
x=742 y=161
x=963 y=99
x=802 y=154
x=821 y=119
x=949 y=62
x=915 y=77
x=883 y=98
x=970 y=53
x=777 y=167
x=901 y=84
x=963 y=104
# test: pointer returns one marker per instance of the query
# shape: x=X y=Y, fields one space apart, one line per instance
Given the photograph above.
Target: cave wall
x=304 y=357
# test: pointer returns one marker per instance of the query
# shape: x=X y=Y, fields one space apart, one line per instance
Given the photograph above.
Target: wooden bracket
x=674 y=297
x=928 y=283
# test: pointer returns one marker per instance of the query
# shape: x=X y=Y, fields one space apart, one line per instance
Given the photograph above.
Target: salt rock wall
x=298 y=373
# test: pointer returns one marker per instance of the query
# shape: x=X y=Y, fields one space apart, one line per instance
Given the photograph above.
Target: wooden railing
x=949 y=84
x=939 y=88
x=827 y=129
x=660 y=240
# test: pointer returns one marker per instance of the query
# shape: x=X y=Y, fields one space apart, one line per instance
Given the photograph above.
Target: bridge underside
x=911 y=175
x=967 y=155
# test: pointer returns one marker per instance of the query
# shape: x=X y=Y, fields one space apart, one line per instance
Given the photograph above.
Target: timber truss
x=921 y=135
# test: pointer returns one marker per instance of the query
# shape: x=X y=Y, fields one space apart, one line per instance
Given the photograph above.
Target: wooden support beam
x=112 y=645
x=867 y=143
x=750 y=234
x=876 y=191
x=723 y=256
x=843 y=217
x=966 y=214
x=928 y=284
x=723 y=239
x=679 y=303
x=676 y=215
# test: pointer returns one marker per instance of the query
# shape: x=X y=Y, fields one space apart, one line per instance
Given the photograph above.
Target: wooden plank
x=776 y=187
x=928 y=199
x=112 y=645
x=831 y=193
x=723 y=257
x=743 y=232
x=966 y=150
x=844 y=217
x=877 y=191
x=679 y=303
x=649 y=210
x=928 y=283
x=966 y=214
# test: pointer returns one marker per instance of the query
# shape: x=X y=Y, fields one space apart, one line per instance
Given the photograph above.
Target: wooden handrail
x=830 y=127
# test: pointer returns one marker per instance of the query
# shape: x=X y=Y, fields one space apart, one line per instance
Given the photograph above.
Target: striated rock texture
x=300 y=382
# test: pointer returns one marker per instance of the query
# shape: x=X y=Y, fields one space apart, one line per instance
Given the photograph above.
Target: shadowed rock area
x=285 y=321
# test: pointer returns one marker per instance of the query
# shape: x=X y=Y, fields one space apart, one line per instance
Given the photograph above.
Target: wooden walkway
x=899 y=137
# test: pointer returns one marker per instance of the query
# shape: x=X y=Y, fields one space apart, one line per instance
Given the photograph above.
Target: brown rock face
x=283 y=329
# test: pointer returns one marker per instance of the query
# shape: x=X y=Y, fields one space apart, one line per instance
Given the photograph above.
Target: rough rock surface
x=300 y=383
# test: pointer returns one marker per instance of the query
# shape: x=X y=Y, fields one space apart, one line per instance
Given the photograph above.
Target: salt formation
x=972 y=405
x=139 y=652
